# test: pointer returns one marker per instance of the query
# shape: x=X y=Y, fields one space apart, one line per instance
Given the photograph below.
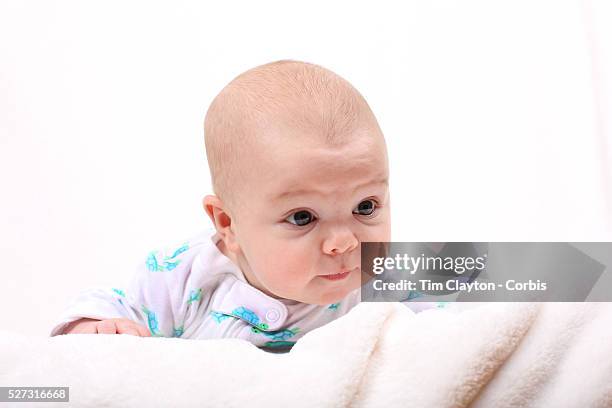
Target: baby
x=300 y=175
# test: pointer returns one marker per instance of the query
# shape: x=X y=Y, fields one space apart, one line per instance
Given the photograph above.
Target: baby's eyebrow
x=384 y=180
x=301 y=192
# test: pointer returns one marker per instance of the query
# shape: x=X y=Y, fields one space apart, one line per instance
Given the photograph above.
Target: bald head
x=283 y=94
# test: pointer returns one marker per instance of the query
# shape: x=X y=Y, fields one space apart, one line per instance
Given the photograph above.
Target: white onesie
x=193 y=291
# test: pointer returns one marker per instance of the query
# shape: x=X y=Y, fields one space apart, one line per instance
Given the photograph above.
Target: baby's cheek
x=289 y=270
x=378 y=233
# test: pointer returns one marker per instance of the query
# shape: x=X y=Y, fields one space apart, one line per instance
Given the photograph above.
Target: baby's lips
x=342 y=271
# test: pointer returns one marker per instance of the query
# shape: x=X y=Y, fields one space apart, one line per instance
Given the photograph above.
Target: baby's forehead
x=288 y=160
x=306 y=143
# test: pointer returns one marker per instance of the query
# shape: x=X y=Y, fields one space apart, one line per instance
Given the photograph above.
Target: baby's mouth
x=338 y=276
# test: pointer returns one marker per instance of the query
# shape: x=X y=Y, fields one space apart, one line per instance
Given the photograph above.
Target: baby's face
x=304 y=210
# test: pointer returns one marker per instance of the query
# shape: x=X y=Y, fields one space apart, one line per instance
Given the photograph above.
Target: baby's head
x=299 y=170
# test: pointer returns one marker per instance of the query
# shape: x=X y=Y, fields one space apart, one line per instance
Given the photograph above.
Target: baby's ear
x=221 y=219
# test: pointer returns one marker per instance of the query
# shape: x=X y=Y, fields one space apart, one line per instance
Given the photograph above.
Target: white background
x=497 y=116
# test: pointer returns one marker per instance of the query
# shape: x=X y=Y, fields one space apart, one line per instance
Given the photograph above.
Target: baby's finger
x=83 y=328
x=143 y=331
x=106 y=327
x=127 y=329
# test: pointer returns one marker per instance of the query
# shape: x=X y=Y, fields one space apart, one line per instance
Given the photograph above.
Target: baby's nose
x=339 y=242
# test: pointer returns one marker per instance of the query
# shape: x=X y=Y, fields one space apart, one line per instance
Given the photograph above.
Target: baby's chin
x=320 y=291
x=336 y=295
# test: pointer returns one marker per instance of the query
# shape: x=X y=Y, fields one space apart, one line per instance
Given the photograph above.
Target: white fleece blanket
x=378 y=355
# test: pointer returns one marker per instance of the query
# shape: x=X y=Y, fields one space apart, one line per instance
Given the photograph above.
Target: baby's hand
x=107 y=326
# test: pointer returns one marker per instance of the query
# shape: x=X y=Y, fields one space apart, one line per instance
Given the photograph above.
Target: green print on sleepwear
x=414 y=294
x=195 y=295
x=151 y=321
x=167 y=263
x=178 y=331
x=334 y=306
x=119 y=292
x=250 y=316
x=219 y=317
x=273 y=344
x=278 y=334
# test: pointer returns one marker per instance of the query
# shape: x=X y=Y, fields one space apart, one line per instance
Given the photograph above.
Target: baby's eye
x=301 y=218
x=366 y=207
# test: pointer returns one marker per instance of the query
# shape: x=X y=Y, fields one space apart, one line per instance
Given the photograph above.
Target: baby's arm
x=156 y=302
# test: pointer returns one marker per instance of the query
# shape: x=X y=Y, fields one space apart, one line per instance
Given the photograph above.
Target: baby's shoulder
x=196 y=258
x=174 y=255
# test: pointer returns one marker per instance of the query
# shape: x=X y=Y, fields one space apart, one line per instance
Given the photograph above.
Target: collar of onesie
x=253 y=306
